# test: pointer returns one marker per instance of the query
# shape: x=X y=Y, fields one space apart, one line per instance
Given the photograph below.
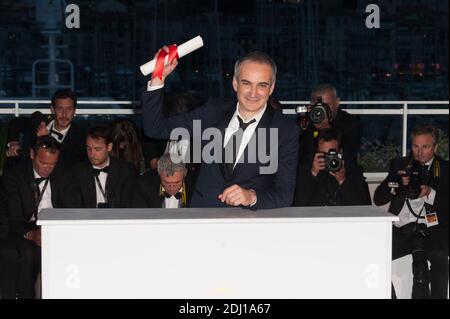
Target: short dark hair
x=100 y=131
x=329 y=134
x=64 y=94
x=322 y=88
x=425 y=129
x=259 y=57
x=47 y=142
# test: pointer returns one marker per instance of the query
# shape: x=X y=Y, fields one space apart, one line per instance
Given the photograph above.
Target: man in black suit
x=23 y=131
x=32 y=186
x=166 y=190
x=349 y=125
x=8 y=254
x=235 y=179
x=103 y=181
x=4 y=214
x=317 y=185
x=417 y=190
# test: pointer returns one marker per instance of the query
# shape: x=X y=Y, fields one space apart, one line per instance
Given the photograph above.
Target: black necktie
x=59 y=136
x=167 y=195
x=243 y=125
x=97 y=171
x=40 y=180
x=233 y=147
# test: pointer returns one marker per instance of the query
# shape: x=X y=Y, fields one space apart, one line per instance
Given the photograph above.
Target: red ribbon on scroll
x=159 y=67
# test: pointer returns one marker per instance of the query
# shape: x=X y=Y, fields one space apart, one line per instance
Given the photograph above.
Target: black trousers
x=29 y=266
x=20 y=266
x=435 y=253
x=8 y=269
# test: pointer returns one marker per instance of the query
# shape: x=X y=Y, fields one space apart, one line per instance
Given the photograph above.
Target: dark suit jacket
x=4 y=211
x=73 y=147
x=20 y=189
x=383 y=196
x=120 y=184
x=351 y=131
x=324 y=190
x=147 y=190
x=273 y=190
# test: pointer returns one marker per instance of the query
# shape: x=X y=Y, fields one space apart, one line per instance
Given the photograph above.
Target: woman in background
x=126 y=143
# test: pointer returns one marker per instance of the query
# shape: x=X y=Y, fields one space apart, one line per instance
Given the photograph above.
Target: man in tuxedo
x=241 y=181
x=416 y=189
x=8 y=254
x=30 y=187
x=319 y=186
x=103 y=181
x=348 y=125
x=23 y=131
x=166 y=190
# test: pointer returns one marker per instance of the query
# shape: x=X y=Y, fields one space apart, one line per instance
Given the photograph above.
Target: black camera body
x=333 y=160
x=419 y=174
x=314 y=114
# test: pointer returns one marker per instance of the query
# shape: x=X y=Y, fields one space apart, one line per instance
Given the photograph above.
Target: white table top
x=214 y=215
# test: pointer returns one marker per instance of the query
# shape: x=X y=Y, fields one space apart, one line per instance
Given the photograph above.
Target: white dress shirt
x=233 y=126
x=102 y=178
x=406 y=217
x=63 y=132
x=46 y=201
x=172 y=201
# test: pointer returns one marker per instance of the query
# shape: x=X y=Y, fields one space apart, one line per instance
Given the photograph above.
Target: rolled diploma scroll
x=182 y=49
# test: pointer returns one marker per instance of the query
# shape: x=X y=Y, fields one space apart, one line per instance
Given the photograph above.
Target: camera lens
x=334 y=165
x=317 y=115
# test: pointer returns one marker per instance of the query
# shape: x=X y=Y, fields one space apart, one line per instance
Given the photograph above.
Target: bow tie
x=167 y=195
x=97 y=171
x=40 y=180
x=59 y=136
x=243 y=125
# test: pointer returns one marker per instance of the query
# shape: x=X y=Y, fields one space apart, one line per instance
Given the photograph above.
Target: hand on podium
x=34 y=236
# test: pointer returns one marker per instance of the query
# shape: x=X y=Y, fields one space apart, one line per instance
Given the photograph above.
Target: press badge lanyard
x=101 y=188
x=38 y=196
x=419 y=215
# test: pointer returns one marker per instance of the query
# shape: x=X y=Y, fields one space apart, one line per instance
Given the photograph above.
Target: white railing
x=403 y=111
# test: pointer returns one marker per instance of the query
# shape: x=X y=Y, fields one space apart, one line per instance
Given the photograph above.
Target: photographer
x=324 y=96
x=417 y=190
x=330 y=180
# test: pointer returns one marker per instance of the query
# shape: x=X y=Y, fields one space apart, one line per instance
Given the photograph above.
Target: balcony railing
x=127 y=108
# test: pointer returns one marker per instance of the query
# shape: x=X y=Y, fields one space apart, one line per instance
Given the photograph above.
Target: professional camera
x=333 y=161
x=314 y=114
x=419 y=174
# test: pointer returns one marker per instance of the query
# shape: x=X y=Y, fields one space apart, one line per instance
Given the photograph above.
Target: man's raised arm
x=156 y=125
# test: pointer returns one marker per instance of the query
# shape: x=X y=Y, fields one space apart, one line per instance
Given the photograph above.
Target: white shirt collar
x=164 y=190
x=36 y=175
x=257 y=117
x=429 y=162
x=98 y=167
x=52 y=125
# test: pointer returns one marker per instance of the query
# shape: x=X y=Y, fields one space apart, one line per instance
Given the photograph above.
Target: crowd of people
x=52 y=162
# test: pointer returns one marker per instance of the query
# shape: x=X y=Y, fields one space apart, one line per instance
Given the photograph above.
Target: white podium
x=323 y=252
